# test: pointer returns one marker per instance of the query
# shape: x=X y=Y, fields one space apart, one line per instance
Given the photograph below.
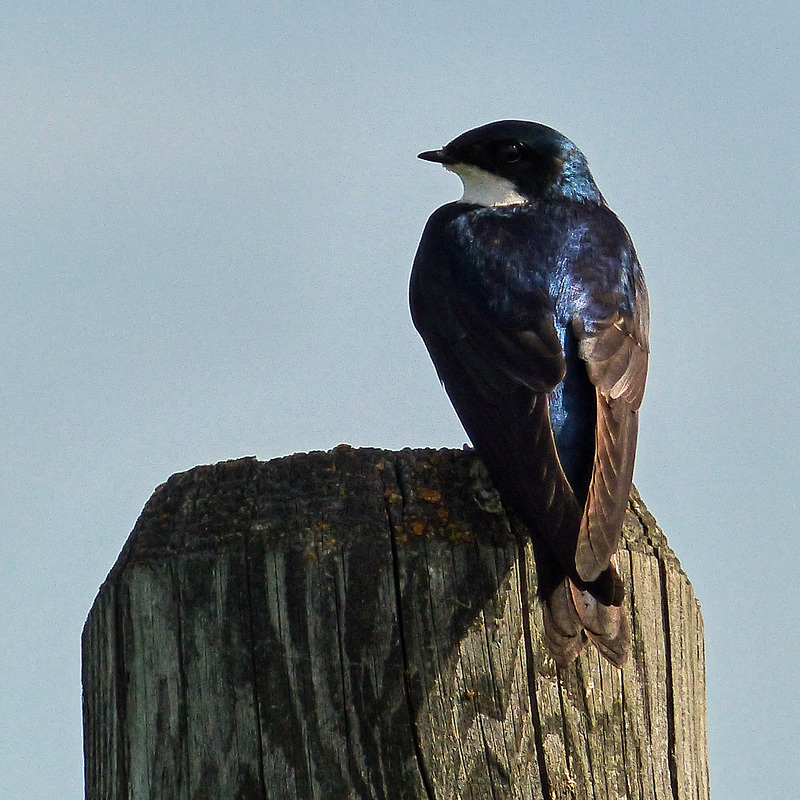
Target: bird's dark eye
x=510 y=152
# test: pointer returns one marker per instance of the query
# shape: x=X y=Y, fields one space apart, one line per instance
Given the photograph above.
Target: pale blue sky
x=207 y=220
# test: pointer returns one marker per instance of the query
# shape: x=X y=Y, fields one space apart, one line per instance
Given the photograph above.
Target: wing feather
x=616 y=353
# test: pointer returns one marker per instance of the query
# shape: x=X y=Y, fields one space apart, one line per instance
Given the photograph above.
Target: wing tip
x=572 y=615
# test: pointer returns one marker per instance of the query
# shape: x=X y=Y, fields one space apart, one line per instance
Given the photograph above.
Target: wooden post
x=355 y=624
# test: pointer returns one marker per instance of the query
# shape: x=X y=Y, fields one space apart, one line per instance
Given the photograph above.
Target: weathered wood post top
x=356 y=624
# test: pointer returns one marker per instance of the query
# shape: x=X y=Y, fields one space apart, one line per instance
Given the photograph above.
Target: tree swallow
x=530 y=299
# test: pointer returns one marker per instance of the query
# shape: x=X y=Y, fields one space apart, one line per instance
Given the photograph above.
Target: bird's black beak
x=437 y=156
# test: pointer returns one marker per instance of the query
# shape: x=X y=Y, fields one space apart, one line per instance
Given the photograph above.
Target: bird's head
x=513 y=162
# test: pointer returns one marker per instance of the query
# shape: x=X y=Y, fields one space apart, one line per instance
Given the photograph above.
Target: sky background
x=208 y=216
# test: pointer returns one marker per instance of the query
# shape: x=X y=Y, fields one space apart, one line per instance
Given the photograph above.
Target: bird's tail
x=571 y=615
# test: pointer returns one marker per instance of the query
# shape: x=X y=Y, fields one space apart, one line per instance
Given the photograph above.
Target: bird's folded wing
x=498 y=381
x=499 y=360
x=616 y=353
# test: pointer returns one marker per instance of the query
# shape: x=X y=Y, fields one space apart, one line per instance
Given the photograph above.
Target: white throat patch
x=484 y=189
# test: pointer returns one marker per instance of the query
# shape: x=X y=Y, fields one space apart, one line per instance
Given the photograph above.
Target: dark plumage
x=532 y=304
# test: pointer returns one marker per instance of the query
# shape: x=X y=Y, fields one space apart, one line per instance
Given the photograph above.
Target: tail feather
x=572 y=614
x=563 y=628
x=606 y=626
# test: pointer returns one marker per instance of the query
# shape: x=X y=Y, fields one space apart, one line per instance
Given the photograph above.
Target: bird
x=529 y=296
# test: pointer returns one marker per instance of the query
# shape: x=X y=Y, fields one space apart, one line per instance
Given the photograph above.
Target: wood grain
x=363 y=624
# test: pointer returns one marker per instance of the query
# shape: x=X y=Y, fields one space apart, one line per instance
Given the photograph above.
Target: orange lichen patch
x=400 y=534
x=429 y=495
x=443 y=513
x=459 y=534
x=390 y=496
x=322 y=526
x=417 y=528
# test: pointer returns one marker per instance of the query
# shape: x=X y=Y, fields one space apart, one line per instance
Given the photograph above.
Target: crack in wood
x=394 y=527
x=541 y=756
x=248 y=593
x=673 y=766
